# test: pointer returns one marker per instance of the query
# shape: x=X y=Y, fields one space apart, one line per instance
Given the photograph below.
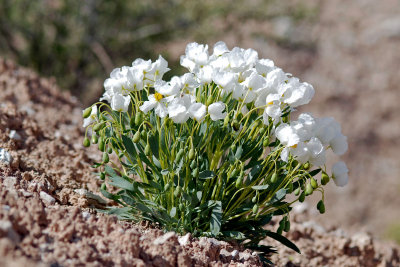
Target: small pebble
x=47 y=198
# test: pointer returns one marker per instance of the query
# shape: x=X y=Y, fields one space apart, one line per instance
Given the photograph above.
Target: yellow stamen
x=158 y=96
x=294 y=146
x=270 y=103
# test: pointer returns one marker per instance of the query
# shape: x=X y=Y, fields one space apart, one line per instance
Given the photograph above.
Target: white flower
x=134 y=79
x=287 y=135
x=169 y=88
x=254 y=83
x=196 y=55
x=339 y=144
x=198 y=111
x=220 y=48
x=340 y=173
x=92 y=117
x=189 y=82
x=216 y=111
x=120 y=103
x=241 y=59
x=158 y=103
x=158 y=69
x=275 y=78
x=142 y=65
x=326 y=129
x=264 y=66
x=205 y=74
x=178 y=108
x=273 y=108
x=297 y=94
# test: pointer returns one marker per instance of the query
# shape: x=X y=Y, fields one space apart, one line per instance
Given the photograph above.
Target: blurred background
x=349 y=51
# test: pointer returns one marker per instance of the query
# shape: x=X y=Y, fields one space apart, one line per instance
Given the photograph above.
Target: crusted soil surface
x=48 y=194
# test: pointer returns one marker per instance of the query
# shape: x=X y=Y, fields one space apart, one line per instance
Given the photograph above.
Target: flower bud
x=210 y=100
x=309 y=189
x=287 y=226
x=262 y=130
x=143 y=134
x=297 y=191
x=101 y=144
x=306 y=166
x=86 y=142
x=274 y=178
x=138 y=118
x=179 y=155
x=239 y=182
x=195 y=172
x=87 y=112
x=321 y=207
x=266 y=141
x=302 y=197
x=313 y=183
x=280 y=230
x=147 y=150
x=95 y=139
x=102 y=176
x=191 y=153
x=98 y=126
x=255 y=208
x=254 y=199
x=235 y=125
x=109 y=150
x=324 y=178
x=226 y=121
x=290 y=188
x=177 y=191
x=106 y=159
x=136 y=137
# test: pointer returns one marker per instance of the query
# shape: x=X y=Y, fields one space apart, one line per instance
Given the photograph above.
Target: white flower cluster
x=249 y=80
x=308 y=139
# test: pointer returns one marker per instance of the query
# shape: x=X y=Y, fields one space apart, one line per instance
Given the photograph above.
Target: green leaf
x=216 y=217
x=283 y=240
x=314 y=172
x=130 y=148
x=128 y=200
x=119 y=211
x=109 y=195
x=260 y=187
x=254 y=172
x=153 y=142
x=120 y=182
x=239 y=152
x=234 y=235
x=279 y=195
x=206 y=175
x=110 y=171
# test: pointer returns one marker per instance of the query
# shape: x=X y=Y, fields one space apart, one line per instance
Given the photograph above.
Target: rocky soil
x=48 y=197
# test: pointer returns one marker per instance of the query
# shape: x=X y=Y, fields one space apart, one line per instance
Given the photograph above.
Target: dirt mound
x=48 y=192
